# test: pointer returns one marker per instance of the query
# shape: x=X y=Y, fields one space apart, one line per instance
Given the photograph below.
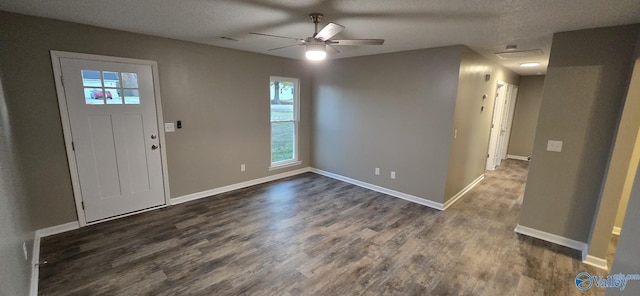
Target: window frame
x=296 y=123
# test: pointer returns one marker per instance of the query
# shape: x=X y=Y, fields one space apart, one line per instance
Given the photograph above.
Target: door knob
x=154 y=147
x=153 y=137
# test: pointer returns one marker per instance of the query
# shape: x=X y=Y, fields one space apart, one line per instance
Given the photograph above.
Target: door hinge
x=73 y=146
x=82 y=203
x=487 y=155
x=62 y=80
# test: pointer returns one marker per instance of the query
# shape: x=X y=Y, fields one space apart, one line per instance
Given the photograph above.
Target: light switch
x=555 y=146
x=169 y=127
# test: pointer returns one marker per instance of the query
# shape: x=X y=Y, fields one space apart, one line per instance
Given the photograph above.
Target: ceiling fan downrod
x=316 y=18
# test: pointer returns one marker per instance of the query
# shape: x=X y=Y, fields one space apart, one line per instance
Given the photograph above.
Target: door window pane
x=91 y=78
x=282 y=141
x=111 y=79
x=129 y=80
x=112 y=96
x=131 y=96
x=105 y=87
x=93 y=96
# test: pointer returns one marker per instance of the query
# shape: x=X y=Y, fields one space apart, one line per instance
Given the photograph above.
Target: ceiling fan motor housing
x=316 y=17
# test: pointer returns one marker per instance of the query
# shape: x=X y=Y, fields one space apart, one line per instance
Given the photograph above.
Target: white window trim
x=296 y=123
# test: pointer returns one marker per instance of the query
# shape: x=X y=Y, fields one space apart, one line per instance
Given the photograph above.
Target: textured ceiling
x=485 y=26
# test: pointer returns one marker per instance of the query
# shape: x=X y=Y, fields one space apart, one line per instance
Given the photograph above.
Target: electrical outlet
x=393 y=175
x=242 y=167
x=24 y=249
x=377 y=171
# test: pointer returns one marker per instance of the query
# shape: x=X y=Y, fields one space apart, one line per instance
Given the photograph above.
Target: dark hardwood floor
x=312 y=235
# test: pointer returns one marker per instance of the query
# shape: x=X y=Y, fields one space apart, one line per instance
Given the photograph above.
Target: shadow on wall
x=16 y=225
x=596 y=131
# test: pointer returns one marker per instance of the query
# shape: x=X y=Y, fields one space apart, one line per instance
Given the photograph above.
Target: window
x=104 y=87
x=283 y=102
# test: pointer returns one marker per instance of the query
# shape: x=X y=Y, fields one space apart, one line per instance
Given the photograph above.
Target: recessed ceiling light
x=529 y=65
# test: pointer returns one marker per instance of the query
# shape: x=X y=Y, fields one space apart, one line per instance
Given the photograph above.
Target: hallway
x=312 y=235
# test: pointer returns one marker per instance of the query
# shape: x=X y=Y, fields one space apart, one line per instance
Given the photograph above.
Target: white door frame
x=66 y=125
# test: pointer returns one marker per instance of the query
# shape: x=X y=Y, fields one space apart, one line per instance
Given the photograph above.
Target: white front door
x=114 y=128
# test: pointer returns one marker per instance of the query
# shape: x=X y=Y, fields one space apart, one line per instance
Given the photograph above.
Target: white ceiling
x=485 y=26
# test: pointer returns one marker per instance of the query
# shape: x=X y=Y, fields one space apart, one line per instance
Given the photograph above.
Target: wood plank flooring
x=312 y=235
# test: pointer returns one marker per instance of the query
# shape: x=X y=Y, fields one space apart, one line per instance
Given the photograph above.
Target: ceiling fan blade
x=282 y=47
x=276 y=36
x=330 y=30
x=332 y=49
x=356 y=42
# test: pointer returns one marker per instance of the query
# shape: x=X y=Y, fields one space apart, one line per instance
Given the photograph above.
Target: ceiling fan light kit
x=316 y=52
x=317 y=45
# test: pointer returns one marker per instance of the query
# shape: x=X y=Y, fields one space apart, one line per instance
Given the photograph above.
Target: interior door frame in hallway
x=56 y=57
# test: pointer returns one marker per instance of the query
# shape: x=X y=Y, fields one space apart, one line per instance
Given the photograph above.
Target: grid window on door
x=111 y=88
x=283 y=102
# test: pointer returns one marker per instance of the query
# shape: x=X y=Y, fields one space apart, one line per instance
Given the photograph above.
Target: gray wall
x=220 y=94
x=583 y=92
x=15 y=219
x=525 y=116
x=627 y=258
x=392 y=111
x=468 y=152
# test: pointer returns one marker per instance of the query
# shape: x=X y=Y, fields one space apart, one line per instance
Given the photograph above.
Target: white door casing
x=115 y=156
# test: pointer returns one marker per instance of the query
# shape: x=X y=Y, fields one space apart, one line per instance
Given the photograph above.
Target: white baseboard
x=462 y=192
x=616 y=230
x=518 y=157
x=405 y=196
x=552 y=238
x=35 y=253
x=595 y=261
x=223 y=189
x=57 y=229
x=35 y=270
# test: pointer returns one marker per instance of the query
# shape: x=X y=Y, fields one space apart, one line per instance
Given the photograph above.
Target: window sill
x=283 y=165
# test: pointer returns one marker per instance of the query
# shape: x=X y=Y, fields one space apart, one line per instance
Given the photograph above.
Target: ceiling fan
x=321 y=42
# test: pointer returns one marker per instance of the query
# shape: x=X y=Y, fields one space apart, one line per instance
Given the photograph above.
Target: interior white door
x=504 y=117
x=495 y=127
x=508 y=120
x=114 y=129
